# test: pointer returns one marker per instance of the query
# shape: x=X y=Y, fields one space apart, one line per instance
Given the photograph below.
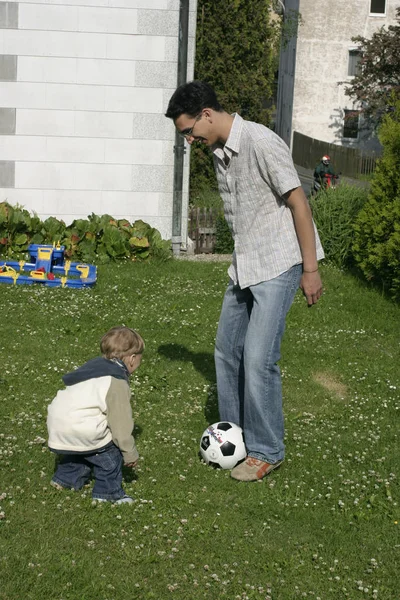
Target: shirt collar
x=233 y=141
x=232 y=144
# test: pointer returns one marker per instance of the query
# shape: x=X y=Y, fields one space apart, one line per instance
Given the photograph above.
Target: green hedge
x=335 y=211
x=223 y=238
x=95 y=239
x=376 y=246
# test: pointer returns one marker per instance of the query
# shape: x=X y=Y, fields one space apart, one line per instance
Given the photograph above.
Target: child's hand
x=131 y=465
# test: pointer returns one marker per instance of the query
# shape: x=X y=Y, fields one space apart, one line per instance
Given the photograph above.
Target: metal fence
x=351 y=162
x=201 y=229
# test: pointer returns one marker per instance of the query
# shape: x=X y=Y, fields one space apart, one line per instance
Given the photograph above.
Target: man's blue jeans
x=74 y=471
x=247 y=350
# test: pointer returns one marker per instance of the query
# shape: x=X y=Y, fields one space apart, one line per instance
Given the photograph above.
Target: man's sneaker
x=253 y=469
x=125 y=500
x=57 y=486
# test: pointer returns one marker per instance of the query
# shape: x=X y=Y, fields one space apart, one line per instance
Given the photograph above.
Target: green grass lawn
x=323 y=526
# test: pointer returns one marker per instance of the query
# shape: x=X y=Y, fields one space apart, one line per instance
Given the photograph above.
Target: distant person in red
x=323 y=173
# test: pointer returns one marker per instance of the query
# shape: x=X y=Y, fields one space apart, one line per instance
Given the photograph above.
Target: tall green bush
x=224 y=243
x=376 y=245
x=334 y=211
x=237 y=46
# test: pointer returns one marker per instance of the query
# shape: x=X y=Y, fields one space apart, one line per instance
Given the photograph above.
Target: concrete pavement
x=306 y=178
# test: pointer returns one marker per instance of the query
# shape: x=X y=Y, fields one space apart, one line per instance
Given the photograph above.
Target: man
x=276 y=250
x=323 y=172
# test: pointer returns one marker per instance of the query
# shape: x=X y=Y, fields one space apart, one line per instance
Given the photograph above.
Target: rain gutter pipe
x=179 y=148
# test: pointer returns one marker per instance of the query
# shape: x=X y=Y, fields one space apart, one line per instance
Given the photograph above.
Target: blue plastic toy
x=47 y=267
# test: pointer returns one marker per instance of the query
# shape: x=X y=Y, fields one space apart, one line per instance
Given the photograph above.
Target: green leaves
x=21 y=239
x=237 y=49
x=224 y=242
x=334 y=212
x=378 y=75
x=376 y=245
x=15 y=229
x=97 y=238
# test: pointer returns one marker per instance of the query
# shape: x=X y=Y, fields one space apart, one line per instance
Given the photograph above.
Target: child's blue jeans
x=74 y=471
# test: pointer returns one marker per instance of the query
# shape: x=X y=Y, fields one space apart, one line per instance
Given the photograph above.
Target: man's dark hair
x=190 y=99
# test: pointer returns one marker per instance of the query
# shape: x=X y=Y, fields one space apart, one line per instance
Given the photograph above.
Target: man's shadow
x=203 y=362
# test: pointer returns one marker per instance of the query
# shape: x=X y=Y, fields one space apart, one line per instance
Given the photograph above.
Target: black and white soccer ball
x=222 y=445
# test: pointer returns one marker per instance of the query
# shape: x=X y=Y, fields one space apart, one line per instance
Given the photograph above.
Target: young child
x=90 y=422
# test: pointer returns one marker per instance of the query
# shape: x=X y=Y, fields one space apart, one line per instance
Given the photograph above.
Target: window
x=378 y=7
x=350 y=127
x=354 y=60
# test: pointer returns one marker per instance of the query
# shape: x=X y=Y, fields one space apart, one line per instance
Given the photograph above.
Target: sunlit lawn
x=323 y=526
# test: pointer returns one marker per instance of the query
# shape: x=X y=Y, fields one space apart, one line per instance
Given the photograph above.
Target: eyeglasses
x=189 y=132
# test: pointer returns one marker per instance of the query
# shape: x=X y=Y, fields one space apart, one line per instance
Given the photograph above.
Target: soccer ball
x=222 y=445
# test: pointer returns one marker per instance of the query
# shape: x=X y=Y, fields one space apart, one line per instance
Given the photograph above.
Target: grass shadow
x=203 y=362
x=367 y=285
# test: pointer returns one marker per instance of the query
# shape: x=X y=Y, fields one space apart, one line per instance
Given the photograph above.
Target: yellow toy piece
x=67 y=266
x=44 y=253
x=84 y=270
x=7 y=271
x=21 y=265
x=38 y=275
x=63 y=281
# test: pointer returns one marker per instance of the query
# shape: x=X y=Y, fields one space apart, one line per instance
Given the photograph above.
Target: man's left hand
x=311 y=286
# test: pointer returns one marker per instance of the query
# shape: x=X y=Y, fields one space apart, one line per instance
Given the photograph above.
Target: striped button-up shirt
x=254 y=170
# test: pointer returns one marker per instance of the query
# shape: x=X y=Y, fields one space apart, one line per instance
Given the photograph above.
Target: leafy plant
x=334 y=212
x=237 y=49
x=17 y=229
x=224 y=242
x=206 y=197
x=377 y=229
x=52 y=229
x=97 y=238
x=376 y=83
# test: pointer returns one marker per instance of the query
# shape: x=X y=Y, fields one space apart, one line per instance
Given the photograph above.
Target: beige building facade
x=316 y=64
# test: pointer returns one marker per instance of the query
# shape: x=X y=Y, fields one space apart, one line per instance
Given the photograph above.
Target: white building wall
x=322 y=55
x=83 y=91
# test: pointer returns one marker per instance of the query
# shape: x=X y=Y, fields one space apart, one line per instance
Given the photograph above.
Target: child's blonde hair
x=121 y=341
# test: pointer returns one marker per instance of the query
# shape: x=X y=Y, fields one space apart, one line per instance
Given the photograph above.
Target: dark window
x=350 y=128
x=378 y=7
x=354 y=59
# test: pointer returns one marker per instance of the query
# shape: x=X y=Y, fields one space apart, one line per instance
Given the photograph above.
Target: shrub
x=376 y=244
x=224 y=242
x=206 y=197
x=237 y=50
x=18 y=229
x=97 y=238
x=334 y=211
